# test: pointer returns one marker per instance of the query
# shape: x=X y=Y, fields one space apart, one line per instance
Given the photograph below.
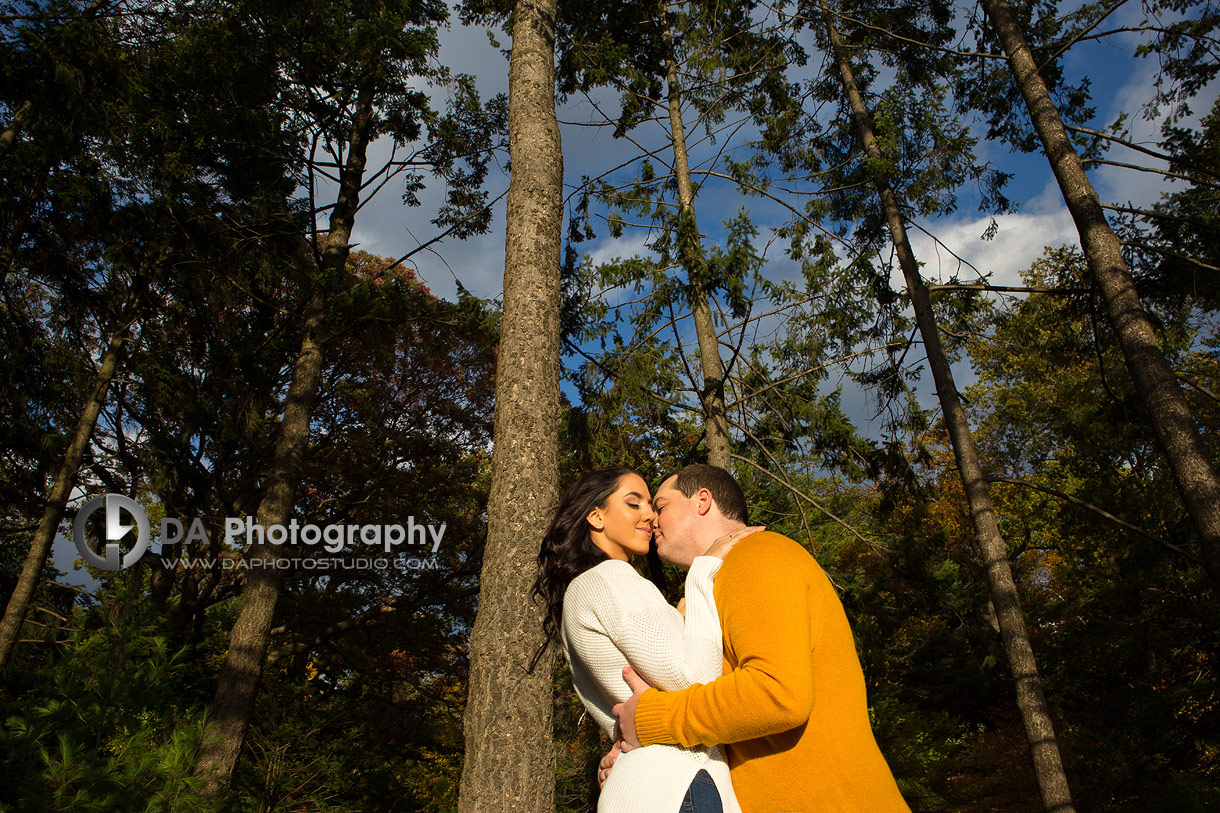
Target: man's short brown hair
x=729 y=497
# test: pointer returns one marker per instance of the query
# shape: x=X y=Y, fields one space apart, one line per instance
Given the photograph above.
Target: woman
x=607 y=616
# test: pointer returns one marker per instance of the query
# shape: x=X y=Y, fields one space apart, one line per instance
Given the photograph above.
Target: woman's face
x=622 y=527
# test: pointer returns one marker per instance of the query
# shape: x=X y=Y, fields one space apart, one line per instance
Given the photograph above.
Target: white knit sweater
x=612 y=616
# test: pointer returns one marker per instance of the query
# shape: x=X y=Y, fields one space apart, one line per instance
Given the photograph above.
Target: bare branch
x=798 y=493
x=1146 y=151
x=1101 y=512
x=1007 y=289
x=1081 y=35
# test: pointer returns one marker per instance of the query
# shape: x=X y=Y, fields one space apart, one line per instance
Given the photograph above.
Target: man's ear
x=704 y=501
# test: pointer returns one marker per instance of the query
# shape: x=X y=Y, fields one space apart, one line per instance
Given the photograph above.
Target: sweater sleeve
x=665 y=649
x=765 y=605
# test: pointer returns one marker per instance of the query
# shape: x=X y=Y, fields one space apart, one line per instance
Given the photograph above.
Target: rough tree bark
x=690 y=250
x=1151 y=372
x=1052 y=781
x=40 y=547
x=241 y=672
x=510 y=759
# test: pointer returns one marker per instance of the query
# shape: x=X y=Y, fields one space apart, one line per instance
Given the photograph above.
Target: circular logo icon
x=116 y=529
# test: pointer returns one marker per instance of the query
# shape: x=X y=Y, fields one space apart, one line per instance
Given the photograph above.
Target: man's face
x=676 y=525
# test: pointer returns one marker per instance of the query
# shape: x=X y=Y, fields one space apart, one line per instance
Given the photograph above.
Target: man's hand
x=603 y=767
x=625 y=712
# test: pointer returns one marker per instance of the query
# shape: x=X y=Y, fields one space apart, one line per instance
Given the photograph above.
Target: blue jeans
x=702 y=796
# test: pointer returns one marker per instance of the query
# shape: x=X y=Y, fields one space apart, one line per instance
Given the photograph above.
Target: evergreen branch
x=637 y=157
x=71 y=587
x=763 y=192
x=736 y=127
x=820 y=367
x=398 y=168
x=611 y=376
x=728 y=367
x=48 y=611
x=630 y=224
x=690 y=374
x=893 y=35
x=800 y=506
x=761 y=316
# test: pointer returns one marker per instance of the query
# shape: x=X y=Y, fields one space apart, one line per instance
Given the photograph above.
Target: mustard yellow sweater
x=791 y=704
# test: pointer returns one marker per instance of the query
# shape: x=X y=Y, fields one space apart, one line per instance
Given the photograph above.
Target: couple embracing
x=759 y=701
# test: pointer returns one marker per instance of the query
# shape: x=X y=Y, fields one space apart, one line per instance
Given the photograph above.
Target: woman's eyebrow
x=637 y=495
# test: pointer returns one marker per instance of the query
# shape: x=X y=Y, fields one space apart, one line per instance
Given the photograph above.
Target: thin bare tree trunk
x=40 y=547
x=1052 y=781
x=1151 y=372
x=690 y=249
x=510 y=760
x=241 y=672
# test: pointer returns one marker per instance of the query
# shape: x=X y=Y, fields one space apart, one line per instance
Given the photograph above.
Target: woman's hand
x=721 y=547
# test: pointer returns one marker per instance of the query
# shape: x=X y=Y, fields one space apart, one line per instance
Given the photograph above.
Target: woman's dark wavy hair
x=567 y=548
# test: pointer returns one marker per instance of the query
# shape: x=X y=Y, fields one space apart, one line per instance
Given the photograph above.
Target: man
x=791 y=705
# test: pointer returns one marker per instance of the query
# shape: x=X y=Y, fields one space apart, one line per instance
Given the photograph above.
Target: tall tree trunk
x=1052 y=781
x=1151 y=372
x=241 y=672
x=510 y=759
x=40 y=547
x=690 y=250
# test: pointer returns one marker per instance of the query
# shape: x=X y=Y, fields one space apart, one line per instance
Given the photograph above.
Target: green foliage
x=103 y=727
x=1121 y=620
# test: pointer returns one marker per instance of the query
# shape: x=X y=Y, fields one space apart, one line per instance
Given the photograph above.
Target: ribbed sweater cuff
x=650 y=717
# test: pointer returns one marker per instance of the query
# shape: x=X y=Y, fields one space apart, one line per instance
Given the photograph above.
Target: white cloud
x=629 y=245
x=1020 y=240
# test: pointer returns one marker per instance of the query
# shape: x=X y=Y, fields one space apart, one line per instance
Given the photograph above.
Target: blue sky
x=1120 y=83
